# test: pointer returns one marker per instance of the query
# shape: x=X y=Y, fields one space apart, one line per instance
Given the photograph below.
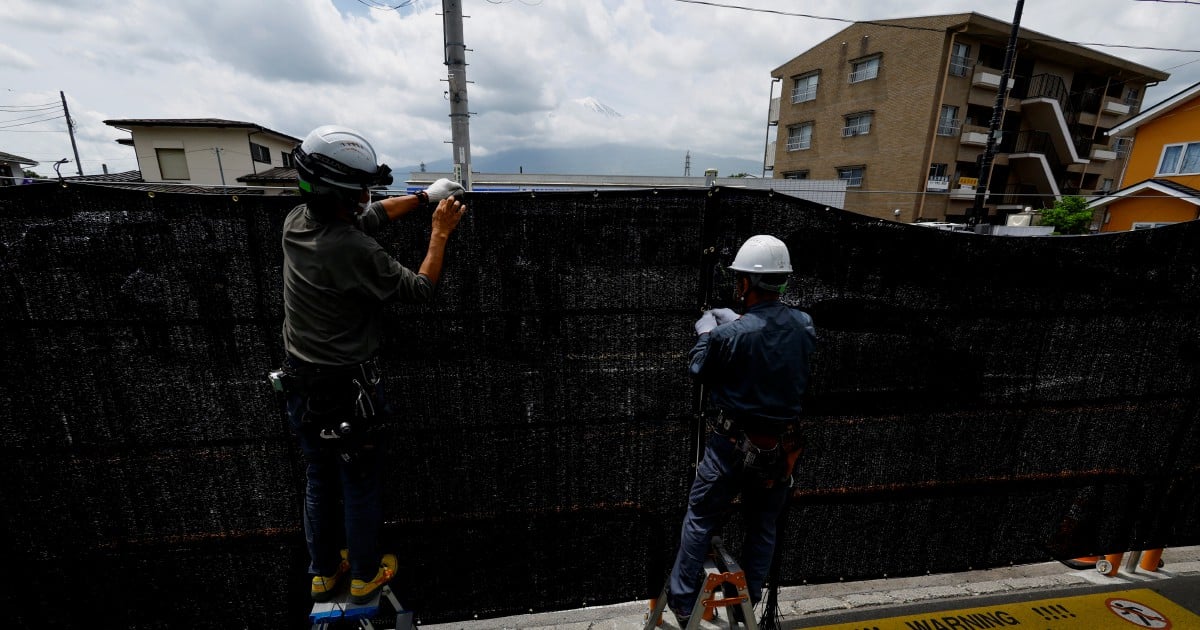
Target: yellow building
x=1161 y=181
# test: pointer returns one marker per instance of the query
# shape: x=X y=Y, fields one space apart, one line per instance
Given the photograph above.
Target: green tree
x=32 y=175
x=1070 y=215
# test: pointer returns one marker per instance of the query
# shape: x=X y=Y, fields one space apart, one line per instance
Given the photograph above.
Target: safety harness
x=339 y=408
x=769 y=448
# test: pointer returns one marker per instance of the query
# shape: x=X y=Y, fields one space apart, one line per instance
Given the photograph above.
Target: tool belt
x=338 y=401
x=769 y=447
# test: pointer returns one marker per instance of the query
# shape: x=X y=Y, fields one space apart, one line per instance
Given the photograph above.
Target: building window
x=1180 y=159
x=1106 y=185
x=864 y=70
x=172 y=163
x=1131 y=96
x=960 y=60
x=285 y=159
x=857 y=124
x=796 y=175
x=852 y=175
x=259 y=153
x=806 y=88
x=1147 y=225
x=800 y=137
x=948 y=124
x=939 y=177
x=1122 y=146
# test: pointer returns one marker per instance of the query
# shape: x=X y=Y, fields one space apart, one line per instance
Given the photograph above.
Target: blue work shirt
x=758 y=364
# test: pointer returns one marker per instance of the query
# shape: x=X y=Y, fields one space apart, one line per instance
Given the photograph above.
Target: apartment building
x=900 y=110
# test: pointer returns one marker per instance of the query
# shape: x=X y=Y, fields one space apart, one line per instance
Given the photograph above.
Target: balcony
x=988 y=78
x=974 y=136
x=965 y=189
x=1112 y=106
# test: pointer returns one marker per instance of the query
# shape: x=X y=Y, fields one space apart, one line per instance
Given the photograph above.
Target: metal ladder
x=720 y=569
x=340 y=608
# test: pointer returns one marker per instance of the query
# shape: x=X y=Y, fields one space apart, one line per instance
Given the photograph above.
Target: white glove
x=724 y=315
x=443 y=188
x=706 y=323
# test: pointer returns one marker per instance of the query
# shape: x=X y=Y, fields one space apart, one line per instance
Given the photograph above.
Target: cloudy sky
x=683 y=75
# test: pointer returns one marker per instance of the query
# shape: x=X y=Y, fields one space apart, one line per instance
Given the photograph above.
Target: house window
x=864 y=70
x=285 y=159
x=806 y=88
x=948 y=121
x=800 y=137
x=1147 y=225
x=1106 y=185
x=259 y=153
x=857 y=124
x=960 y=60
x=796 y=175
x=1131 y=96
x=1180 y=159
x=853 y=175
x=172 y=163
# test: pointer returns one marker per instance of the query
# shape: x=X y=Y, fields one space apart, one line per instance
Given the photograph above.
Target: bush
x=1070 y=215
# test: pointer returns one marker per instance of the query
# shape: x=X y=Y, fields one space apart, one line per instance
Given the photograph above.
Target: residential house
x=12 y=168
x=202 y=152
x=901 y=110
x=1161 y=181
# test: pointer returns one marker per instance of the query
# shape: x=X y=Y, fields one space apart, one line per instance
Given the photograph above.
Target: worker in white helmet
x=337 y=279
x=755 y=367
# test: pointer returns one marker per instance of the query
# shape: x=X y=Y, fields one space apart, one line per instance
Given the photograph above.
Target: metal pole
x=71 y=132
x=220 y=168
x=985 y=166
x=456 y=76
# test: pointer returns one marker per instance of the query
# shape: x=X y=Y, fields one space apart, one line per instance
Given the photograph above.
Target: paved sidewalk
x=802 y=603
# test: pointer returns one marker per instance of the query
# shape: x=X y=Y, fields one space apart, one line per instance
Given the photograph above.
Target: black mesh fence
x=976 y=401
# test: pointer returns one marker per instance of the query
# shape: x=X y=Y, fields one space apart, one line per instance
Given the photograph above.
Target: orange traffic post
x=1113 y=563
x=1151 y=560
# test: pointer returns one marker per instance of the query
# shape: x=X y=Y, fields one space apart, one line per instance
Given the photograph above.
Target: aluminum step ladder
x=340 y=609
x=720 y=571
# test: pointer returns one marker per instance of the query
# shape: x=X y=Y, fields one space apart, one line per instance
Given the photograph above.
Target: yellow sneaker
x=362 y=592
x=324 y=585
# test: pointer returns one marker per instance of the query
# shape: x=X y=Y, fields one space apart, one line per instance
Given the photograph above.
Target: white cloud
x=684 y=76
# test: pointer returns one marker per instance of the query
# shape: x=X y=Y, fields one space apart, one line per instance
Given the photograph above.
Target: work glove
x=443 y=188
x=724 y=315
x=706 y=323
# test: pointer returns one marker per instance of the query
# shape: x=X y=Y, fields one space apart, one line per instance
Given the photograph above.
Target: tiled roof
x=127 y=123
x=279 y=174
x=132 y=180
x=16 y=159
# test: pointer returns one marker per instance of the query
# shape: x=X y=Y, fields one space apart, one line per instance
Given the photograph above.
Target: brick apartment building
x=900 y=110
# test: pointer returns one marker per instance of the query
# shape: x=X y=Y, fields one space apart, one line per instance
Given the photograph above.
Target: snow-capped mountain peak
x=595 y=105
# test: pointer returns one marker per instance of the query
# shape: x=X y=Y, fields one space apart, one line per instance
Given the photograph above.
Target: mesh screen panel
x=976 y=401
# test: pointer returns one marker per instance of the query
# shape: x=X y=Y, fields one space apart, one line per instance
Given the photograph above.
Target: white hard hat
x=332 y=155
x=762 y=254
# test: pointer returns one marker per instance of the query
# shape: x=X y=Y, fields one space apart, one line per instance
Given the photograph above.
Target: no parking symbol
x=1138 y=614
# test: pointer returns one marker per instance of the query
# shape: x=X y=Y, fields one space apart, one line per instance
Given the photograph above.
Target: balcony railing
x=1122 y=146
x=856 y=130
x=866 y=74
x=948 y=127
x=960 y=66
x=800 y=95
x=799 y=144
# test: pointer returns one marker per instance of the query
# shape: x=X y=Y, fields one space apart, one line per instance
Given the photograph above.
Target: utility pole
x=985 y=165
x=456 y=77
x=71 y=132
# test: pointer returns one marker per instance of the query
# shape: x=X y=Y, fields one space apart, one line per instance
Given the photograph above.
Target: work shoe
x=362 y=592
x=324 y=585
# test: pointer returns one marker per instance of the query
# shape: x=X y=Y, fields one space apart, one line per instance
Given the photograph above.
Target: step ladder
x=720 y=571
x=340 y=609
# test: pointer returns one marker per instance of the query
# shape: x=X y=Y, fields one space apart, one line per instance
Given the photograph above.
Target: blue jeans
x=343 y=503
x=719 y=479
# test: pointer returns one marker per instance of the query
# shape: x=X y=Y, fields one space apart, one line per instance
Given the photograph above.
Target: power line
x=32 y=122
x=922 y=28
